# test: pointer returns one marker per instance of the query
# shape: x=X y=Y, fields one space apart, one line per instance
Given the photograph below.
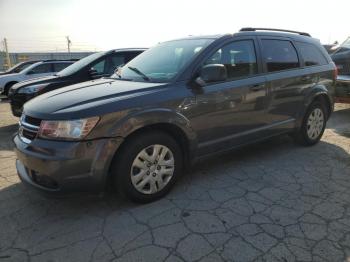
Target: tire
x=136 y=174
x=313 y=125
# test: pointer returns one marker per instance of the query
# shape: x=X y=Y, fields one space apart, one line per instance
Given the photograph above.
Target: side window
x=115 y=61
x=130 y=56
x=41 y=69
x=238 y=57
x=60 y=66
x=311 y=54
x=279 y=55
x=100 y=66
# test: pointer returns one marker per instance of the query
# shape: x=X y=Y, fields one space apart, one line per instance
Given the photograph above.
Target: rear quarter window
x=279 y=55
x=311 y=55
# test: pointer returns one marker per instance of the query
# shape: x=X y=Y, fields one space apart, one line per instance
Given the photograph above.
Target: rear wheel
x=314 y=124
x=147 y=166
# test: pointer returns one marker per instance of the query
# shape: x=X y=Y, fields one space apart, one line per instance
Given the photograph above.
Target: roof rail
x=248 y=29
x=58 y=60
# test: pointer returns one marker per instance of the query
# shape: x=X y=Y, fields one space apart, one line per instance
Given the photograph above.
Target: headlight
x=67 y=130
x=32 y=89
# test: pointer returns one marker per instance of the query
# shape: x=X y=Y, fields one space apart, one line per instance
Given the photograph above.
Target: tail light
x=335 y=73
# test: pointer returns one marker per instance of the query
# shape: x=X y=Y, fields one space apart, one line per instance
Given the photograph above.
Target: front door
x=230 y=113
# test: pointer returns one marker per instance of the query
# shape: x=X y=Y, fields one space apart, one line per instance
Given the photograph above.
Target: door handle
x=257 y=87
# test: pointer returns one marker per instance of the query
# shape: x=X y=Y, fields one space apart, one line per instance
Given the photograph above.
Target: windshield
x=80 y=64
x=163 y=62
x=346 y=44
x=344 y=47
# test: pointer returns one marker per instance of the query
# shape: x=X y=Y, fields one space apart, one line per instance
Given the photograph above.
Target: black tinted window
x=238 y=57
x=60 y=66
x=107 y=65
x=279 y=55
x=116 y=61
x=100 y=66
x=41 y=69
x=311 y=54
x=131 y=55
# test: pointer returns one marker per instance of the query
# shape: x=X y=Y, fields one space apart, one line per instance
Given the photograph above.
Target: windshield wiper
x=145 y=77
x=118 y=78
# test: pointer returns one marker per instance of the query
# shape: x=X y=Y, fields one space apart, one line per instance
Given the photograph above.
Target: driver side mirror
x=93 y=73
x=211 y=73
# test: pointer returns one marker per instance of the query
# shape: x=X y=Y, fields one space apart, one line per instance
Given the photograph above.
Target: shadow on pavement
x=340 y=122
x=6 y=133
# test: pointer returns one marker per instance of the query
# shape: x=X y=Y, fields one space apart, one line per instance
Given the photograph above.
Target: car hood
x=97 y=97
x=34 y=81
x=345 y=55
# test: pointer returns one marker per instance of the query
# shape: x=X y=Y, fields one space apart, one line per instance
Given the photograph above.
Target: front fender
x=128 y=122
x=131 y=123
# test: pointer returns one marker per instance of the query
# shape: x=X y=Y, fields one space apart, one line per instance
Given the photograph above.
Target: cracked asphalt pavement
x=274 y=201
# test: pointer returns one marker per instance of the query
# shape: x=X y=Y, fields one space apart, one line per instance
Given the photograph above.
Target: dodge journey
x=175 y=103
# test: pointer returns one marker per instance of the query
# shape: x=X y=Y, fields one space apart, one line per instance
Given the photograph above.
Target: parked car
x=331 y=48
x=36 y=70
x=341 y=58
x=177 y=102
x=19 y=67
x=94 y=66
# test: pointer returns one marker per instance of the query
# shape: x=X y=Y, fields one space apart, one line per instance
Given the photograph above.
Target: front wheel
x=147 y=166
x=313 y=126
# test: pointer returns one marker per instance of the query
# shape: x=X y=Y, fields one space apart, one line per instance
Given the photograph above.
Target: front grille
x=343 y=68
x=32 y=121
x=29 y=127
x=28 y=134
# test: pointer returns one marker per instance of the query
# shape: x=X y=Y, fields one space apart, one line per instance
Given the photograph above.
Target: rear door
x=286 y=81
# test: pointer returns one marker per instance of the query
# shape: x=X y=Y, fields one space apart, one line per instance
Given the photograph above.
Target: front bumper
x=342 y=89
x=60 y=167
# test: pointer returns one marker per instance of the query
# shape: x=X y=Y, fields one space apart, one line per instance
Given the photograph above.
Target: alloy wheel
x=152 y=169
x=315 y=123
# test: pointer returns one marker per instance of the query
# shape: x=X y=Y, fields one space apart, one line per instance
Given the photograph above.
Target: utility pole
x=8 y=60
x=68 y=44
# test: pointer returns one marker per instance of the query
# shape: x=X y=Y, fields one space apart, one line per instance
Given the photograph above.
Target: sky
x=42 y=25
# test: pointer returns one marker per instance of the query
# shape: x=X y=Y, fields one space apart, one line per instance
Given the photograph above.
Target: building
x=21 y=57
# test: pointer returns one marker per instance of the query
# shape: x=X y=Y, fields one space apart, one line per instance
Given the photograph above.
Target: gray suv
x=176 y=103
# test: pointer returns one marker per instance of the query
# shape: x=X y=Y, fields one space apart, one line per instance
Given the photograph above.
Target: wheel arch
x=8 y=85
x=320 y=93
x=172 y=123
